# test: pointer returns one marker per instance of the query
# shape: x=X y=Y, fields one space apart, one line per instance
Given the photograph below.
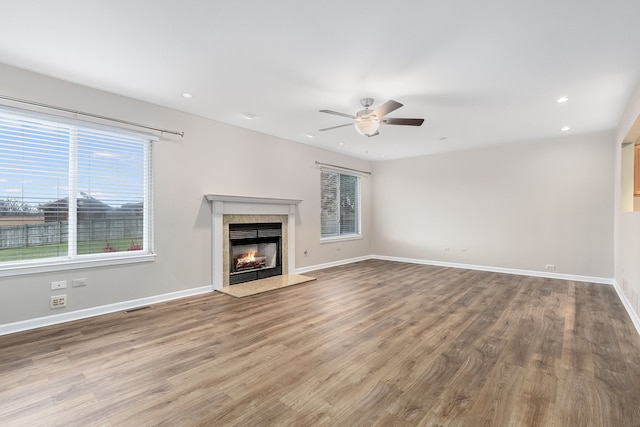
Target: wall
x=203 y=162
x=518 y=206
x=627 y=224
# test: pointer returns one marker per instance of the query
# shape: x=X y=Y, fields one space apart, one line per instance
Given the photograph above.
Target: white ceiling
x=479 y=72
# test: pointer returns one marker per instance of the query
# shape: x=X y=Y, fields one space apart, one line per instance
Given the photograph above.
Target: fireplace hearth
x=254 y=251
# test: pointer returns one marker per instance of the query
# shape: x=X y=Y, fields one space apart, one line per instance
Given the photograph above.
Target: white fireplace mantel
x=240 y=205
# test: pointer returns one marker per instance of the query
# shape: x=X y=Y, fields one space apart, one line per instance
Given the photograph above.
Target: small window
x=71 y=191
x=340 y=204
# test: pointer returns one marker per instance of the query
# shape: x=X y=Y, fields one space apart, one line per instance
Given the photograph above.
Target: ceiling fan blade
x=336 y=127
x=374 y=134
x=335 y=113
x=405 y=122
x=387 y=107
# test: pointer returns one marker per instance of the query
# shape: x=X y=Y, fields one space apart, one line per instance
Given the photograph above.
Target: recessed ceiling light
x=249 y=116
x=562 y=100
x=310 y=135
x=187 y=95
x=382 y=156
x=340 y=143
x=565 y=129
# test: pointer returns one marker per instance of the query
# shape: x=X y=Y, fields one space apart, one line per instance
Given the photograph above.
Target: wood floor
x=375 y=343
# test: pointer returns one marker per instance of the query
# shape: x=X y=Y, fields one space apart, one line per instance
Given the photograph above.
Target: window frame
x=347 y=236
x=636 y=169
x=61 y=263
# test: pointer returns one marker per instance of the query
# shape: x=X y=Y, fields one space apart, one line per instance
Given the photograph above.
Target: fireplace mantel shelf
x=249 y=199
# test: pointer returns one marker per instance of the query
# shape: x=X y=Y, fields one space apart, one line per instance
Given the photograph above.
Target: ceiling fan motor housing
x=365 y=113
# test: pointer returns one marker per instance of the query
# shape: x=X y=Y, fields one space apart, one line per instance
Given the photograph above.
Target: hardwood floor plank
x=463 y=389
x=495 y=403
x=582 y=406
x=537 y=394
x=421 y=394
x=371 y=343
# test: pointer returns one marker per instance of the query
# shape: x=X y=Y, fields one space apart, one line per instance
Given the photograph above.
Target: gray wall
x=518 y=206
x=205 y=161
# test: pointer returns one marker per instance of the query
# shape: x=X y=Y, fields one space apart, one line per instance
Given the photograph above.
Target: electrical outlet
x=447 y=249
x=549 y=267
x=58 y=301
x=62 y=284
x=76 y=283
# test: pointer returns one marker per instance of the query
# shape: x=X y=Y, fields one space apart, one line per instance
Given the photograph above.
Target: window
x=340 y=204
x=71 y=191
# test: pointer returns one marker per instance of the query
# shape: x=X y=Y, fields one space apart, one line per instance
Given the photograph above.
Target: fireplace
x=227 y=210
x=255 y=251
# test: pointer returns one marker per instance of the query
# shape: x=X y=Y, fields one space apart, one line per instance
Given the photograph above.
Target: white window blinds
x=70 y=189
x=340 y=204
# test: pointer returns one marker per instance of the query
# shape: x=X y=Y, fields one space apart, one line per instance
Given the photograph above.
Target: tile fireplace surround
x=240 y=209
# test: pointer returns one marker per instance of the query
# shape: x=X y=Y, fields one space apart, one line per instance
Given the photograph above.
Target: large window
x=340 y=205
x=71 y=191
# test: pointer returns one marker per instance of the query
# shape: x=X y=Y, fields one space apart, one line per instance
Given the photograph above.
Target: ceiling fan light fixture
x=367 y=126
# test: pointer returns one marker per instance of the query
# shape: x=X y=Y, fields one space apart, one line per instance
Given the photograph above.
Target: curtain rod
x=96 y=116
x=341 y=167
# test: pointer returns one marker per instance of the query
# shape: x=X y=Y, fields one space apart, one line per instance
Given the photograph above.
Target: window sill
x=340 y=238
x=58 y=265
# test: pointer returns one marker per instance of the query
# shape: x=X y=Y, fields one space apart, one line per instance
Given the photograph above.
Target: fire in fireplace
x=255 y=251
x=249 y=260
x=254 y=256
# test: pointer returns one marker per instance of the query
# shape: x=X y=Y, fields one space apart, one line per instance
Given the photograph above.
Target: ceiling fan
x=368 y=121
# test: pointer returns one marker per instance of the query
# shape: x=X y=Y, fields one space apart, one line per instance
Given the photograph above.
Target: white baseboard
x=125 y=305
x=627 y=306
x=534 y=273
x=303 y=270
x=39 y=322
